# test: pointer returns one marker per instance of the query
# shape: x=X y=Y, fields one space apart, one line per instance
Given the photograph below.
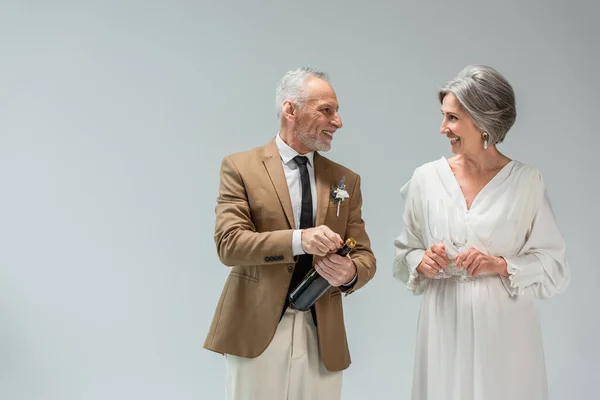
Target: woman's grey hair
x=292 y=87
x=487 y=97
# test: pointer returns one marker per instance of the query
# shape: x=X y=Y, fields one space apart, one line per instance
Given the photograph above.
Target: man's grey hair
x=487 y=97
x=292 y=86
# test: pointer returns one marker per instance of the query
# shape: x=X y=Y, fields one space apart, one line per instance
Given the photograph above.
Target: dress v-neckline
x=504 y=171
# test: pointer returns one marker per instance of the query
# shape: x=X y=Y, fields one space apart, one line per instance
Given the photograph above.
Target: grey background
x=115 y=115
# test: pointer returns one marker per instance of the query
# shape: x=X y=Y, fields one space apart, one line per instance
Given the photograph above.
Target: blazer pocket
x=247 y=273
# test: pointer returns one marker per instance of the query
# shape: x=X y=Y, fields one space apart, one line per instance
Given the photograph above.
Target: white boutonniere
x=339 y=193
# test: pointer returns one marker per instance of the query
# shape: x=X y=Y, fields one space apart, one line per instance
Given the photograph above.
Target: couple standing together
x=479 y=335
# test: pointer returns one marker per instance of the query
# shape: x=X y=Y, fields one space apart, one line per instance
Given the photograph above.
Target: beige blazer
x=253 y=234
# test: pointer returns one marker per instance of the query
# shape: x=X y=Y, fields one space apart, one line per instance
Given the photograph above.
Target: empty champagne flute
x=458 y=233
x=437 y=221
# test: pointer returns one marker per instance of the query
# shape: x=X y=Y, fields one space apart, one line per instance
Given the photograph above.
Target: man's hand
x=336 y=269
x=320 y=241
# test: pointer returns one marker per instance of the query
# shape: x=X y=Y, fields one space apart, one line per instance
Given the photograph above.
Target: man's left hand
x=336 y=269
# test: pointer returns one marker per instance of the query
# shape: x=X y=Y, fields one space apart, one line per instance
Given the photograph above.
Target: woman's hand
x=433 y=260
x=477 y=263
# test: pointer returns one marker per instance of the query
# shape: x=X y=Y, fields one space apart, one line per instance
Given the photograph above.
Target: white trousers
x=289 y=369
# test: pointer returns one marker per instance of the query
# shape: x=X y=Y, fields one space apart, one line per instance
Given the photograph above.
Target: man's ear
x=288 y=110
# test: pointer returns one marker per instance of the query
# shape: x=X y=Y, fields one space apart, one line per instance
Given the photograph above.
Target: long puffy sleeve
x=410 y=246
x=541 y=263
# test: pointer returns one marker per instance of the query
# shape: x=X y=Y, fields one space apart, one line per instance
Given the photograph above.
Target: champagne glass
x=457 y=231
x=437 y=220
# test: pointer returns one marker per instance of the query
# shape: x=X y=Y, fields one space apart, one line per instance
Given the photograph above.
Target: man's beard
x=313 y=142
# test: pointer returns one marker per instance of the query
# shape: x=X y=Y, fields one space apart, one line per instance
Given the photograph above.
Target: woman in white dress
x=479 y=335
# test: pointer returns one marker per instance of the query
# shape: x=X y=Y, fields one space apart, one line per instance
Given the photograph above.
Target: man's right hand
x=320 y=240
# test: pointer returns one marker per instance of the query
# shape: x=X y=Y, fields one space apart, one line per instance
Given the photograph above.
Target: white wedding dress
x=481 y=340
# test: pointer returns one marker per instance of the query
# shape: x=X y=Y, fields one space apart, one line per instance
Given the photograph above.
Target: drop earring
x=485 y=140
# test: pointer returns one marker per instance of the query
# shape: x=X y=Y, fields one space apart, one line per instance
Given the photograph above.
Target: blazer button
x=290 y=268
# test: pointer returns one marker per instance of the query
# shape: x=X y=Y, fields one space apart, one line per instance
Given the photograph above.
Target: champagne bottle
x=313 y=286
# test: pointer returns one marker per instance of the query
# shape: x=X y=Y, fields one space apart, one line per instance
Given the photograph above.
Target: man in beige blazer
x=276 y=218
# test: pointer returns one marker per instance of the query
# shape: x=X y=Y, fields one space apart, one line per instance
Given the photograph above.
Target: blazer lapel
x=274 y=168
x=323 y=188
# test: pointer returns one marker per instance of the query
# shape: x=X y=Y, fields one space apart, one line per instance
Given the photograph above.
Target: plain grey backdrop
x=114 y=118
